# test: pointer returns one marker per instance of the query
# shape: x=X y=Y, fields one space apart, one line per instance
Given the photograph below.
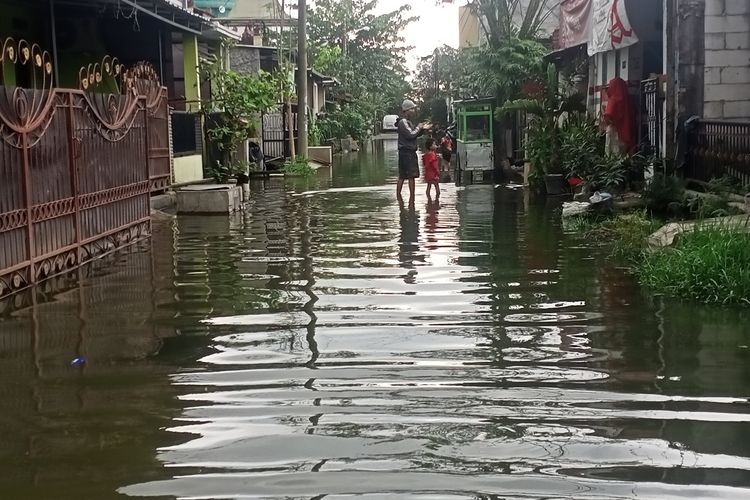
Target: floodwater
x=331 y=344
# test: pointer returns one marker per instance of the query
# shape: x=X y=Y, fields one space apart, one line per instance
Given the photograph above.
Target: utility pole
x=691 y=56
x=302 y=79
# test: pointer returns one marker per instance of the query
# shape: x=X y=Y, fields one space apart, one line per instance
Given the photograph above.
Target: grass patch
x=298 y=167
x=708 y=264
x=625 y=234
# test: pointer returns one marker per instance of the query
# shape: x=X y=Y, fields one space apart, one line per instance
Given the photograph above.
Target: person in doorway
x=431 y=168
x=408 y=165
x=619 y=119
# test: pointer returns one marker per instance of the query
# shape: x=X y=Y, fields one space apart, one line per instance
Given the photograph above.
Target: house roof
x=265 y=11
x=175 y=13
x=325 y=80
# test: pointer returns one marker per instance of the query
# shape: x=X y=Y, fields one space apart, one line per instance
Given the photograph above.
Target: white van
x=389 y=123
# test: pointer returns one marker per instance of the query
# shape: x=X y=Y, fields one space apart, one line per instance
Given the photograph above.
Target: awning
x=320 y=77
x=175 y=13
x=566 y=53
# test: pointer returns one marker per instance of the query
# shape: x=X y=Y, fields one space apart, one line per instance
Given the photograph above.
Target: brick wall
x=727 y=70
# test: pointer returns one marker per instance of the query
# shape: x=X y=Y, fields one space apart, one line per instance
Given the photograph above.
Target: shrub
x=627 y=234
x=581 y=145
x=663 y=192
x=345 y=121
x=222 y=172
x=709 y=264
x=299 y=167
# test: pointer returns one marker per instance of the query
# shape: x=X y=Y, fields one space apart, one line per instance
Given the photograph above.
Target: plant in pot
x=582 y=144
x=547 y=107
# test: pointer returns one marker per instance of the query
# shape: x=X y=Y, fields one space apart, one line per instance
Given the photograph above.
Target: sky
x=436 y=25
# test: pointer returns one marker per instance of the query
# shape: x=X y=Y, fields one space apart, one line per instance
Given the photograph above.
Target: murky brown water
x=329 y=343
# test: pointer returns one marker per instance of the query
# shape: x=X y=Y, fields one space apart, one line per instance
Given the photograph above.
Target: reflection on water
x=332 y=343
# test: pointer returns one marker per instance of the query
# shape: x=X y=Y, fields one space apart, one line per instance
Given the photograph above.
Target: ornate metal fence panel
x=719 y=148
x=77 y=166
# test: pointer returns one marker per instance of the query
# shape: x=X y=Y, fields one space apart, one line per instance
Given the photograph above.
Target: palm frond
x=528 y=106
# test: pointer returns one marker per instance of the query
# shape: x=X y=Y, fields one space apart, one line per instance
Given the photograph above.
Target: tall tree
x=365 y=51
x=512 y=53
x=437 y=78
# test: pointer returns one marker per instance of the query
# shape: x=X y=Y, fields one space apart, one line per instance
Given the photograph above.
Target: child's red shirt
x=431 y=168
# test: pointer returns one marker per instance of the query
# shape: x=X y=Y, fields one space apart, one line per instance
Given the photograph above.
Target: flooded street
x=332 y=343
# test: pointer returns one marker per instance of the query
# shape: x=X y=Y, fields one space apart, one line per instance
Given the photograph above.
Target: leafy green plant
x=314 y=133
x=347 y=120
x=298 y=167
x=723 y=185
x=581 y=145
x=547 y=107
x=222 y=172
x=708 y=264
x=626 y=234
x=610 y=173
x=240 y=98
x=706 y=206
x=663 y=193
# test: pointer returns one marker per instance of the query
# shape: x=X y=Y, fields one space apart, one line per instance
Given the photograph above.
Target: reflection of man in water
x=408 y=244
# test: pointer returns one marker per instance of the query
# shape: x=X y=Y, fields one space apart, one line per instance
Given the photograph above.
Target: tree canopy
x=366 y=52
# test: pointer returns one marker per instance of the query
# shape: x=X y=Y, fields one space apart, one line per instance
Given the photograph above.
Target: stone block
x=735 y=75
x=738 y=40
x=715 y=7
x=727 y=58
x=737 y=7
x=712 y=76
x=713 y=110
x=244 y=60
x=726 y=24
x=321 y=154
x=737 y=110
x=715 y=41
x=209 y=199
x=727 y=92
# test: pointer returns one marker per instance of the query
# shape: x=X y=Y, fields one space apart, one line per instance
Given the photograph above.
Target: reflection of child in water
x=431 y=221
x=431 y=167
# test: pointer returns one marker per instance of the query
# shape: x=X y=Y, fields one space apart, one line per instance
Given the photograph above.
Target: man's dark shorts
x=408 y=165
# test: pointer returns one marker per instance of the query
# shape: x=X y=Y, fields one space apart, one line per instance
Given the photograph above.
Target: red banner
x=575 y=22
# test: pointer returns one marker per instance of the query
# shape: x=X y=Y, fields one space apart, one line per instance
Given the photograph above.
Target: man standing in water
x=408 y=165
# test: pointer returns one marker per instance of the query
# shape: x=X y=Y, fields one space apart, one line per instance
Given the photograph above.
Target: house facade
x=91 y=100
x=682 y=59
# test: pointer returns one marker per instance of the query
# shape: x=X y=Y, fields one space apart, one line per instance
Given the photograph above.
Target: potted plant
x=547 y=105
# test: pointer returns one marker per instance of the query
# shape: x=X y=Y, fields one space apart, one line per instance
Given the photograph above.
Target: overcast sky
x=436 y=25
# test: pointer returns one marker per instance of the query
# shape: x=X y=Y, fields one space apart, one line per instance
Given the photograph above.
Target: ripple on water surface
x=446 y=351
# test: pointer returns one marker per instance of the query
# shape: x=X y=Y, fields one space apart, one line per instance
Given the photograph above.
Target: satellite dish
x=222 y=9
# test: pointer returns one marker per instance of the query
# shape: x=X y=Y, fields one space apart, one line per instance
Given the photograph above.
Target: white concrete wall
x=727 y=70
x=188 y=169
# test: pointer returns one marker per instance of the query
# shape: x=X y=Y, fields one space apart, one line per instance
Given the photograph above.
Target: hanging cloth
x=619 y=115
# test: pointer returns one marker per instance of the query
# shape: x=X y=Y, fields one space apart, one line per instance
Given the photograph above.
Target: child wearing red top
x=431 y=168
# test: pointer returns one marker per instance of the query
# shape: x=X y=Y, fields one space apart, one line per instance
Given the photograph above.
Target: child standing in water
x=431 y=167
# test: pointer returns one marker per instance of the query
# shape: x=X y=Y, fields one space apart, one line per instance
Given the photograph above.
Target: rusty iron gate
x=77 y=165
